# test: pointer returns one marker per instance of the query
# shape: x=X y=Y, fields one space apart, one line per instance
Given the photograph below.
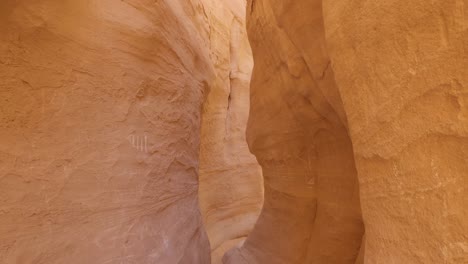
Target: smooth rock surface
x=298 y=131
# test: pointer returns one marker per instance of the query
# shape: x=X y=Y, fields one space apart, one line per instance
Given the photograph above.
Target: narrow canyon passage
x=230 y=179
x=298 y=131
x=233 y=132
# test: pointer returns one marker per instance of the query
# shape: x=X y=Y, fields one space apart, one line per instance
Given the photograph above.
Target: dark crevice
x=229 y=102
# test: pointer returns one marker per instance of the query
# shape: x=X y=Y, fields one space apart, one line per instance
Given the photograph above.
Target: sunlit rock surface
x=231 y=190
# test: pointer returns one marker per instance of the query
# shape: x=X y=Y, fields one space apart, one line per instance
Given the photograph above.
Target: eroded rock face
x=99 y=130
x=298 y=131
x=231 y=190
x=402 y=71
x=354 y=104
x=390 y=79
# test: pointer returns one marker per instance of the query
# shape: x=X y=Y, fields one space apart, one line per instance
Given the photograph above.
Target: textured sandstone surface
x=402 y=71
x=231 y=190
x=100 y=113
x=298 y=131
x=388 y=78
x=122 y=132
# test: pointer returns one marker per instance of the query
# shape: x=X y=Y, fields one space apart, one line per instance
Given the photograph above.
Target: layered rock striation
x=231 y=190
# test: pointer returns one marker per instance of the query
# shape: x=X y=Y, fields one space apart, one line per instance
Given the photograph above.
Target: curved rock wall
x=298 y=131
x=353 y=104
x=100 y=106
x=374 y=86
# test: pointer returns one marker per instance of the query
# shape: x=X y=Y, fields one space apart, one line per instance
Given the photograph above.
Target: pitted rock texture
x=100 y=113
x=231 y=190
x=402 y=72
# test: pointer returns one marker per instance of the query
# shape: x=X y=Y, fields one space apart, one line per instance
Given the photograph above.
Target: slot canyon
x=233 y=132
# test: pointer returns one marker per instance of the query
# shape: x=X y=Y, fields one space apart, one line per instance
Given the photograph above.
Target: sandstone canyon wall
x=402 y=71
x=231 y=190
x=372 y=92
x=99 y=137
x=298 y=131
x=122 y=131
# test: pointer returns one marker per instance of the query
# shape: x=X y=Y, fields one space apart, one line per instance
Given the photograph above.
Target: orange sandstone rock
x=387 y=78
x=231 y=190
x=402 y=71
x=298 y=131
x=100 y=116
